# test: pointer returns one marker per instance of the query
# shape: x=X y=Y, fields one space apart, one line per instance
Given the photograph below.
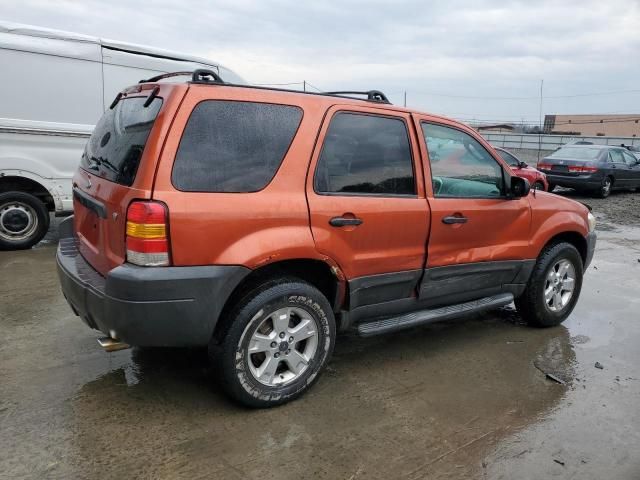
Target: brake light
x=146 y=238
x=544 y=166
x=582 y=169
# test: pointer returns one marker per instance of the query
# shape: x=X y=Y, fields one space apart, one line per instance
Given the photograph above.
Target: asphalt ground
x=461 y=399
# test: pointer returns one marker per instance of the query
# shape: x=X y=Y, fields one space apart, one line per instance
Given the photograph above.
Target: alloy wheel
x=281 y=348
x=559 y=285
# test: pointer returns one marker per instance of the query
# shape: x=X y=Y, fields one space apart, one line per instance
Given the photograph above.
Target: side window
x=460 y=166
x=616 y=156
x=230 y=146
x=629 y=159
x=507 y=157
x=365 y=154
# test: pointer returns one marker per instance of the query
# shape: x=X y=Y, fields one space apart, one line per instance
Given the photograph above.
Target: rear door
x=118 y=166
x=621 y=170
x=479 y=237
x=367 y=205
x=633 y=167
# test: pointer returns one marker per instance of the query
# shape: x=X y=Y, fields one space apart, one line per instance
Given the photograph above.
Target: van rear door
x=117 y=167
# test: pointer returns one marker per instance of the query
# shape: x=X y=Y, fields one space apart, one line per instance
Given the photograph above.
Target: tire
x=239 y=370
x=533 y=305
x=552 y=186
x=538 y=185
x=24 y=220
x=605 y=189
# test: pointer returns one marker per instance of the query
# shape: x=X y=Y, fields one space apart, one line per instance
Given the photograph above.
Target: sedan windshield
x=577 y=153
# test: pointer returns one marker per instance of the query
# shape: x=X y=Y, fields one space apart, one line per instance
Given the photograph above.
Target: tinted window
x=233 y=146
x=507 y=157
x=365 y=154
x=576 y=153
x=460 y=166
x=116 y=145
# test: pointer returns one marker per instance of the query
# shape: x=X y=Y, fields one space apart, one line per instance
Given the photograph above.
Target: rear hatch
x=117 y=167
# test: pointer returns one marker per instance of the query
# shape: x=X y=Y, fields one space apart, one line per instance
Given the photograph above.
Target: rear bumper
x=587 y=182
x=145 y=306
x=591 y=248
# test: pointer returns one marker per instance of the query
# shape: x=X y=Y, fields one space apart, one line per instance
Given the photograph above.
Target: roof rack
x=209 y=77
x=197 y=76
x=201 y=75
x=372 y=95
x=165 y=75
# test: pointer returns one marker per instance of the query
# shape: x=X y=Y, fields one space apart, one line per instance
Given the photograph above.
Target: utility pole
x=405 y=98
x=540 y=124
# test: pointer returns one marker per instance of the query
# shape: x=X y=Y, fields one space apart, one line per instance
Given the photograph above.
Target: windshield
x=116 y=145
x=577 y=153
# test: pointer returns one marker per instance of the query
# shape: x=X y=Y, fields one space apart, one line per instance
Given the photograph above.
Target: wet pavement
x=462 y=399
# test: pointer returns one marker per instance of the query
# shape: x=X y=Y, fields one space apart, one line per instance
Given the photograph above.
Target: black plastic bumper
x=145 y=306
x=587 y=182
x=591 y=248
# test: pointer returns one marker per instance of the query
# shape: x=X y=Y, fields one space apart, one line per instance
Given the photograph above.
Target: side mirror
x=523 y=165
x=520 y=187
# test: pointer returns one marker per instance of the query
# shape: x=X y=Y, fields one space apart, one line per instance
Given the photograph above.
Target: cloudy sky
x=468 y=59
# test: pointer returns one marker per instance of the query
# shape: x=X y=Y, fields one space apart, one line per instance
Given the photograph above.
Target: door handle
x=452 y=219
x=344 y=221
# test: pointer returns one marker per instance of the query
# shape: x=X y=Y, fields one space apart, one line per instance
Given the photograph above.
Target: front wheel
x=278 y=339
x=554 y=286
x=538 y=185
x=24 y=220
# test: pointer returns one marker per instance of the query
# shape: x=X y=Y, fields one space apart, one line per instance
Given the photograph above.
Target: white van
x=53 y=89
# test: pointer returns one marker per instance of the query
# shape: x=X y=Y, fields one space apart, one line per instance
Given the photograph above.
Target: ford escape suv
x=260 y=222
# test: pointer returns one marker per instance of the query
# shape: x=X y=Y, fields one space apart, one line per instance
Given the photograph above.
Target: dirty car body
x=260 y=222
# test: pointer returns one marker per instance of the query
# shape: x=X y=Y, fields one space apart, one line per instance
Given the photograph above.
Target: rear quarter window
x=118 y=140
x=232 y=146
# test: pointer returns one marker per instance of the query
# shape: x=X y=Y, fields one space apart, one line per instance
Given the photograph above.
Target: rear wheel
x=554 y=286
x=24 y=220
x=551 y=187
x=605 y=188
x=278 y=339
x=538 y=185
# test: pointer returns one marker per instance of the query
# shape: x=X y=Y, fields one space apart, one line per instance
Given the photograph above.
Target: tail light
x=146 y=239
x=544 y=166
x=582 y=169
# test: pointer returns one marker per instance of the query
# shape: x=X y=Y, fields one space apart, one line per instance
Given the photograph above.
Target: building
x=621 y=125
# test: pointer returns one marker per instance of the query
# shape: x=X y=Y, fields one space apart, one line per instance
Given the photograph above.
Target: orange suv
x=261 y=222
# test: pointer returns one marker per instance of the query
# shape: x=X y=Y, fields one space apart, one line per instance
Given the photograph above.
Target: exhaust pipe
x=111 y=345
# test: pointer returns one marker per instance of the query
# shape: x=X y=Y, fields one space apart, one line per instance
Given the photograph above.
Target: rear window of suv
x=118 y=140
x=232 y=146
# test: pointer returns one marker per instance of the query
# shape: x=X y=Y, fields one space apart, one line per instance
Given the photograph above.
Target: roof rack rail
x=372 y=95
x=165 y=75
x=201 y=75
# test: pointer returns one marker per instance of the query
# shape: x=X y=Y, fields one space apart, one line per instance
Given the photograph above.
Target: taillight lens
x=582 y=169
x=544 y=166
x=147 y=240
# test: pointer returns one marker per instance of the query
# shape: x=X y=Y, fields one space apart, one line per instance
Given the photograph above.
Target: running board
x=422 y=317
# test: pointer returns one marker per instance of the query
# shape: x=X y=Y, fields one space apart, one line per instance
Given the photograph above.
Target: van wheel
x=24 y=220
x=278 y=339
x=554 y=286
